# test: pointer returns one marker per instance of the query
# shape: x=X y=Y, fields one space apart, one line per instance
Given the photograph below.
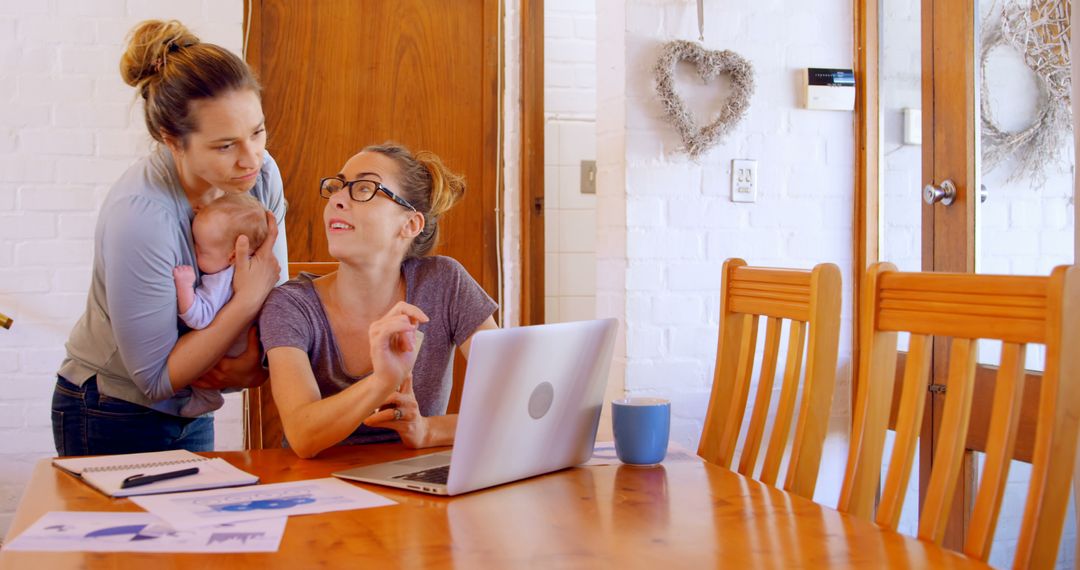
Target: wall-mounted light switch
x=588 y=177
x=743 y=180
x=912 y=126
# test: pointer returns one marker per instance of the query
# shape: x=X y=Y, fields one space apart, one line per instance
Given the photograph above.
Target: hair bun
x=149 y=44
x=447 y=187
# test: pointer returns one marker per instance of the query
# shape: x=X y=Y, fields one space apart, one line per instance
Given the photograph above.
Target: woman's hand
x=257 y=274
x=403 y=417
x=244 y=371
x=394 y=345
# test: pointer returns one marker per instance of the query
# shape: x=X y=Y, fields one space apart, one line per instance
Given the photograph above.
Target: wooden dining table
x=683 y=513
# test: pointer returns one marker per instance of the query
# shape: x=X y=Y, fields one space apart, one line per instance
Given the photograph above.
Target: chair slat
x=948 y=458
x=728 y=346
x=766 y=379
x=934 y=323
x=774 y=454
x=740 y=287
x=1004 y=425
x=1038 y=301
x=737 y=405
x=753 y=294
x=770 y=308
x=966 y=309
x=1007 y=285
x=822 y=347
x=877 y=370
x=770 y=275
x=908 y=426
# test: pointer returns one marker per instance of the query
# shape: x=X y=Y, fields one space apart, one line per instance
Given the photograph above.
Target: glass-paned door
x=973 y=102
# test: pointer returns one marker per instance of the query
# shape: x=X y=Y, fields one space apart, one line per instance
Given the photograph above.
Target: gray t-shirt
x=130 y=325
x=453 y=301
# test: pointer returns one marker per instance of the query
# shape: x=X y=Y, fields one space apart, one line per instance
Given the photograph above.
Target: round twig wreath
x=710 y=64
x=1040 y=33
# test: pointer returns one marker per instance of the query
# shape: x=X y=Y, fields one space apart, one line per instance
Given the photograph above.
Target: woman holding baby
x=131 y=369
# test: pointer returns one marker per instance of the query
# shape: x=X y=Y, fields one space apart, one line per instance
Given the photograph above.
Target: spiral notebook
x=107 y=473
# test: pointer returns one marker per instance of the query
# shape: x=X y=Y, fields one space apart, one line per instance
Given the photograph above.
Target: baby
x=214 y=231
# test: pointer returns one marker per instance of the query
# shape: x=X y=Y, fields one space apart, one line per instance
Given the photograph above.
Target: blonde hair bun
x=447 y=187
x=149 y=44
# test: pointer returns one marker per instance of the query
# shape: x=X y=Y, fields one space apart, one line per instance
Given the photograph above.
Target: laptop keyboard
x=436 y=475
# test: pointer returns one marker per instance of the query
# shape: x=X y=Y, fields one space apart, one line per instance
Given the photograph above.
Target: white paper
x=143 y=532
x=189 y=510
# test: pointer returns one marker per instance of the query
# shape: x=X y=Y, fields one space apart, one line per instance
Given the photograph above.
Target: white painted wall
x=68 y=128
x=511 y=175
x=569 y=138
x=666 y=223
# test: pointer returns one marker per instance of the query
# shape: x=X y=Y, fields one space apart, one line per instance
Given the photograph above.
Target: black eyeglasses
x=359 y=190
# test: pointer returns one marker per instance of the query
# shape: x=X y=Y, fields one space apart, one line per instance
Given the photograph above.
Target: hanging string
x=701 y=20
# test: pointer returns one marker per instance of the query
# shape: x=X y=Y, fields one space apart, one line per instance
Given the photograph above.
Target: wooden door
x=950 y=129
x=339 y=75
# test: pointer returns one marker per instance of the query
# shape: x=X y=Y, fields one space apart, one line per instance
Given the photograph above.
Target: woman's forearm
x=315 y=426
x=196 y=352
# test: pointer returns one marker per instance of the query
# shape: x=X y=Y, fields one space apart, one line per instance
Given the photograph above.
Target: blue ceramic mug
x=641 y=427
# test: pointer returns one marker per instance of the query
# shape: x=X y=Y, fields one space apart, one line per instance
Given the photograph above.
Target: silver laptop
x=530 y=405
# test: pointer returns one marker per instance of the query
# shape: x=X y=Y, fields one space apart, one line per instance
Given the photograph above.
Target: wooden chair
x=1014 y=309
x=810 y=300
x=262 y=424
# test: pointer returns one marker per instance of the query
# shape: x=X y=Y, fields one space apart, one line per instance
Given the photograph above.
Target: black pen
x=140 y=479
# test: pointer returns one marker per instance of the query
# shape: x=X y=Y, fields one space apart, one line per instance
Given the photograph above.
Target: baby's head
x=219 y=223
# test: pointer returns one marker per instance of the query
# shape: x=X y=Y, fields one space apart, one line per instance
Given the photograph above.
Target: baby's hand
x=184 y=276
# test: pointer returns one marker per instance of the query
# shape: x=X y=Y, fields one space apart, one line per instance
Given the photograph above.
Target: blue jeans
x=86 y=422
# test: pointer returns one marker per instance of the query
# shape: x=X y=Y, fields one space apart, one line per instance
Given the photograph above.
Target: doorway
x=569 y=199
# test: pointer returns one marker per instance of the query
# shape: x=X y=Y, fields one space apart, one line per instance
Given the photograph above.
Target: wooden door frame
x=532 y=162
x=867 y=207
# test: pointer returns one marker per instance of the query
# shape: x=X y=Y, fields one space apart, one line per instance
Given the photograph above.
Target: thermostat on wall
x=829 y=89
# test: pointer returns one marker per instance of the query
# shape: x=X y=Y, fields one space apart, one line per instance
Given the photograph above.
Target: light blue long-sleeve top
x=210 y=296
x=130 y=325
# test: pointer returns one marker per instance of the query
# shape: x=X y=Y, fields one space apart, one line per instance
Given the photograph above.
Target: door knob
x=945 y=194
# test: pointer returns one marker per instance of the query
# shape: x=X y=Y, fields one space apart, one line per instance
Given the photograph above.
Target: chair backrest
x=810 y=301
x=1014 y=309
x=262 y=424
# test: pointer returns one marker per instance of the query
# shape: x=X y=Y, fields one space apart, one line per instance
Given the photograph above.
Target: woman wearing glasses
x=129 y=366
x=380 y=331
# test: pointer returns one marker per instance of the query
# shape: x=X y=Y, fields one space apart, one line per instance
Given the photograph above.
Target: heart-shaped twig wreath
x=710 y=64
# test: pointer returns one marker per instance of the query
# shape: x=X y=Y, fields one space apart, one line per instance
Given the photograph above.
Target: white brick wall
x=668 y=219
x=68 y=128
